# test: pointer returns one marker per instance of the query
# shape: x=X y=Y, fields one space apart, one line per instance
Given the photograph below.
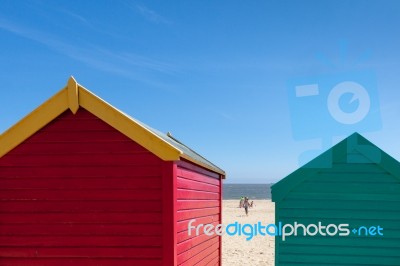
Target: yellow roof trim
x=127 y=126
x=74 y=96
x=33 y=122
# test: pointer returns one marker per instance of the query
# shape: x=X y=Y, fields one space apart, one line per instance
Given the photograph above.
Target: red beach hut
x=82 y=183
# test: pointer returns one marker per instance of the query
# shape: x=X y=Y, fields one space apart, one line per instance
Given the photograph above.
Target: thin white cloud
x=135 y=67
x=152 y=15
x=143 y=62
x=90 y=24
x=147 y=13
x=76 y=16
x=226 y=116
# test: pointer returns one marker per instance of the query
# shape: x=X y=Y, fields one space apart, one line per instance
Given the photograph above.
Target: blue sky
x=219 y=75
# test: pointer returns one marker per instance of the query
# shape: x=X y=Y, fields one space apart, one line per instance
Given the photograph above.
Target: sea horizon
x=252 y=191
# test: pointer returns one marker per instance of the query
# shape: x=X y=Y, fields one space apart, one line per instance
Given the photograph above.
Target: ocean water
x=252 y=191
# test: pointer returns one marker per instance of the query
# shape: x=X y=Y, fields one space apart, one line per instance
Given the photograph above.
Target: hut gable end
x=351 y=157
x=80 y=191
x=354 y=183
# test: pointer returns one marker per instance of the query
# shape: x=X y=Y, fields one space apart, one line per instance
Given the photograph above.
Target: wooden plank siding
x=78 y=192
x=169 y=214
x=198 y=197
x=360 y=194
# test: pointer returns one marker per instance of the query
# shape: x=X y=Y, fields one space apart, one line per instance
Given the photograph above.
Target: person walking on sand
x=241 y=202
x=246 y=205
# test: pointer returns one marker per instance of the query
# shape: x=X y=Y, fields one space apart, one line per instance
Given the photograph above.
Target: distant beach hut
x=82 y=183
x=353 y=183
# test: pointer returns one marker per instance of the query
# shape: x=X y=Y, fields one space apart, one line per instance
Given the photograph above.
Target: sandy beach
x=235 y=249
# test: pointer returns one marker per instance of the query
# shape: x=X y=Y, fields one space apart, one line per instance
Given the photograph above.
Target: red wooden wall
x=198 y=197
x=78 y=192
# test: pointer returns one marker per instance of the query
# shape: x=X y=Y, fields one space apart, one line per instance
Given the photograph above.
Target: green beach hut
x=354 y=184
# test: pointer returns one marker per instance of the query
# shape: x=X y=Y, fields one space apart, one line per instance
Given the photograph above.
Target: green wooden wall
x=354 y=183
